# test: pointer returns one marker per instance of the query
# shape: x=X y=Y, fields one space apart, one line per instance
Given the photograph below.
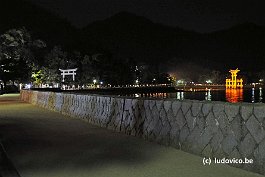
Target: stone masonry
x=209 y=129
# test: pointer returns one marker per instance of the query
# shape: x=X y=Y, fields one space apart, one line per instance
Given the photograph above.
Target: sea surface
x=251 y=95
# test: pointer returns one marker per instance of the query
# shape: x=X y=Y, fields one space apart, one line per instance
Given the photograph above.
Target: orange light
x=234 y=95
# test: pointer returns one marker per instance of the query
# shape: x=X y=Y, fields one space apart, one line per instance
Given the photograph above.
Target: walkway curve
x=42 y=143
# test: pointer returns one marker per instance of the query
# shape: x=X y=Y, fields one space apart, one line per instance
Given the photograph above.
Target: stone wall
x=209 y=129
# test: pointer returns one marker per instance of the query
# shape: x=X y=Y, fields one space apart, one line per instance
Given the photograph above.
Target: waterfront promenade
x=41 y=143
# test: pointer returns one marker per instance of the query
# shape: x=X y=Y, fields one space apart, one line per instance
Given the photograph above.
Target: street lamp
x=1 y=79
x=94 y=81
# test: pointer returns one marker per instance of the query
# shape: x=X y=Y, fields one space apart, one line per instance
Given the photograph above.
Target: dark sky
x=198 y=15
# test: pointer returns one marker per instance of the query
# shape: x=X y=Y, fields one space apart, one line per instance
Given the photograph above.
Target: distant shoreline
x=150 y=89
x=212 y=87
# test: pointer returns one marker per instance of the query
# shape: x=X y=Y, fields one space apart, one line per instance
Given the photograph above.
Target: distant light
x=261 y=80
x=94 y=81
x=27 y=86
x=208 y=81
x=180 y=82
x=20 y=86
x=101 y=83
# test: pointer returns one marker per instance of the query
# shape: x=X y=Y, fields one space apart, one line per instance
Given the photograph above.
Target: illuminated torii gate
x=234 y=82
x=66 y=72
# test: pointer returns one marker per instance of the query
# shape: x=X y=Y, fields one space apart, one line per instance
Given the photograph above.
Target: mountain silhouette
x=40 y=22
x=126 y=35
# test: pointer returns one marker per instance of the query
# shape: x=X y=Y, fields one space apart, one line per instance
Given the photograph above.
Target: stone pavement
x=42 y=143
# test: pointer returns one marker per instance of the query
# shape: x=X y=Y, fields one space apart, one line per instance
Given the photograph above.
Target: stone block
x=184 y=133
x=135 y=103
x=164 y=135
x=205 y=138
x=185 y=107
x=247 y=146
x=58 y=102
x=167 y=105
x=207 y=151
x=196 y=108
x=228 y=144
x=126 y=119
x=259 y=112
x=155 y=113
x=218 y=108
x=152 y=104
x=200 y=122
x=163 y=114
x=244 y=129
x=151 y=125
x=180 y=119
x=246 y=111
x=256 y=129
x=170 y=116
x=176 y=105
x=148 y=114
x=206 y=108
x=223 y=122
x=217 y=140
x=157 y=128
x=127 y=104
x=259 y=155
x=174 y=140
x=210 y=120
x=191 y=121
x=159 y=104
x=235 y=155
x=236 y=127
x=192 y=140
x=146 y=104
x=219 y=153
x=231 y=111
x=174 y=131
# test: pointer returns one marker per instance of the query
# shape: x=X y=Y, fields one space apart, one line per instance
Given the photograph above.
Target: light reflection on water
x=230 y=95
x=234 y=95
x=260 y=95
x=208 y=95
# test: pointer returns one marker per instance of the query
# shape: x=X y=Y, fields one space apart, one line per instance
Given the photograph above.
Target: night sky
x=197 y=15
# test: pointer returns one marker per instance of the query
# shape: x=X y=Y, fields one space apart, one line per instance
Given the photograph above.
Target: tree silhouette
x=17 y=56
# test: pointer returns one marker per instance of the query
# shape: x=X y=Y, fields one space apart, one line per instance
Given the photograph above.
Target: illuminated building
x=234 y=82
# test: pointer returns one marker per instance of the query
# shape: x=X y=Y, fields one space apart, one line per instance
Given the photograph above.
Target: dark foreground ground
x=40 y=143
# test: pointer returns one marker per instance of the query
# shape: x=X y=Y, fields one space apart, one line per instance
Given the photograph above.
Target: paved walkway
x=41 y=143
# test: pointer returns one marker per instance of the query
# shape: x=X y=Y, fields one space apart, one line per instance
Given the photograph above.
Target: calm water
x=229 y=95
